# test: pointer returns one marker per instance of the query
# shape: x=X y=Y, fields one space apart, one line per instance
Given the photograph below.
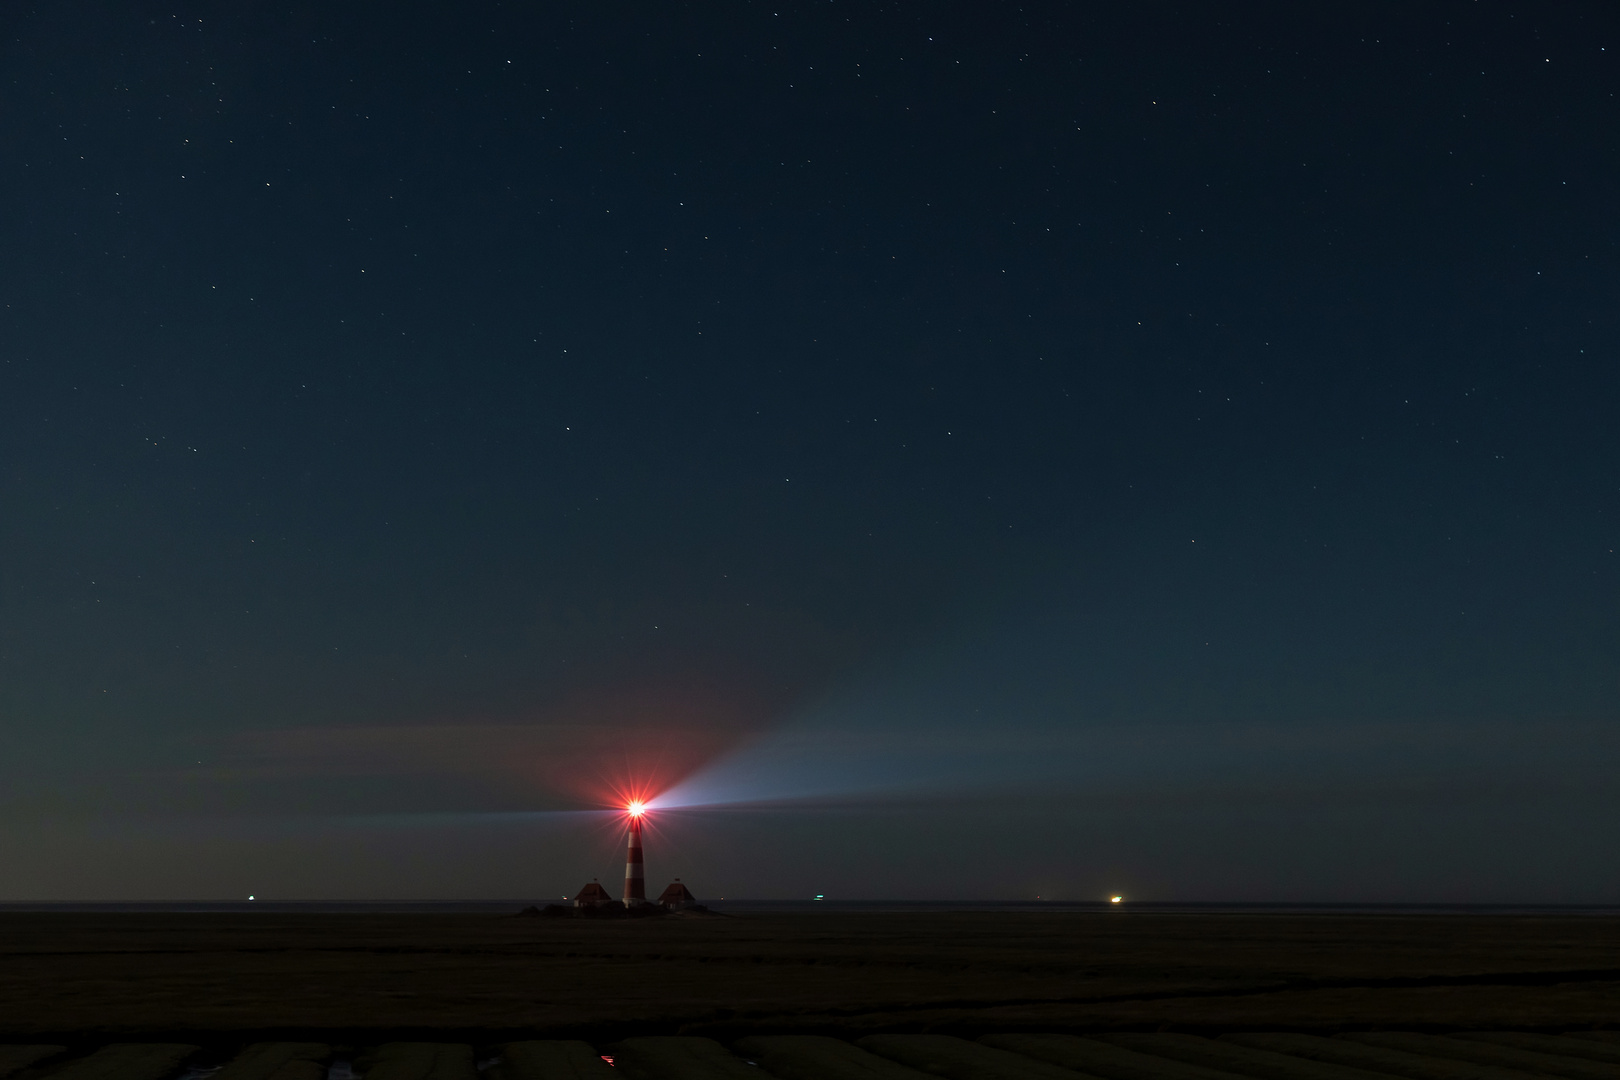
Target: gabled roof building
x=677 y=896
x=592 y=896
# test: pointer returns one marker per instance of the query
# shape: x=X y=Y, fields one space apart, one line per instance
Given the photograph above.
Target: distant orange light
x=637 y=808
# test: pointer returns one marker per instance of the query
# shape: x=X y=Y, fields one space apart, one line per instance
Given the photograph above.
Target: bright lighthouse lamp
x=637 y=808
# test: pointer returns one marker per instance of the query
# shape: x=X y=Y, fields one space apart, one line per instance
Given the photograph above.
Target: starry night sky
x=953 y=450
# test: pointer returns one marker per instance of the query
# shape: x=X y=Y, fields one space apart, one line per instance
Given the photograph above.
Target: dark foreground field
x=480 y=979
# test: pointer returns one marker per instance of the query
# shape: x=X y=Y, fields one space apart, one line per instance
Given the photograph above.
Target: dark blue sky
x=985 y=449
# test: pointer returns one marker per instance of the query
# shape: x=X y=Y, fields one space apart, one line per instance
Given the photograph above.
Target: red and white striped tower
x=635 y=881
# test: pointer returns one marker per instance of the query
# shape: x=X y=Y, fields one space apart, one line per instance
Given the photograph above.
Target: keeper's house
x=676 y=897
x=592 y=896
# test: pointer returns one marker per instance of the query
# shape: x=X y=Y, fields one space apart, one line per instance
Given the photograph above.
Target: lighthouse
x=635 y=880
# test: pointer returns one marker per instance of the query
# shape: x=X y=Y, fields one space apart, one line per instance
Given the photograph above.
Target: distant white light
x=1115 y=899
x=250 y=897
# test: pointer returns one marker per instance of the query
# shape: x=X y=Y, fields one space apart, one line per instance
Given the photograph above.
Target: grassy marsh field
x=193 y=977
